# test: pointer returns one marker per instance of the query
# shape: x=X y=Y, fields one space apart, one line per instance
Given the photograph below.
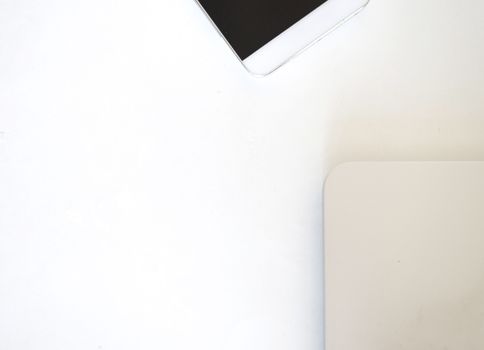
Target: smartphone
x=265 y=34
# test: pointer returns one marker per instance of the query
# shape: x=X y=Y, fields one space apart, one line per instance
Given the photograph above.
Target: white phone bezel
x=299 y=37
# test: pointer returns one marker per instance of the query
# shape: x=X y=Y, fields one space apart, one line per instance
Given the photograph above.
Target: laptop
x=404 y=256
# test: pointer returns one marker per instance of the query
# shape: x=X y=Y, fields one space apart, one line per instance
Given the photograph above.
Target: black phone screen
x=250 y=24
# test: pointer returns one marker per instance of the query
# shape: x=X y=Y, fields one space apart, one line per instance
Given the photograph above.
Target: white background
x=153 y=195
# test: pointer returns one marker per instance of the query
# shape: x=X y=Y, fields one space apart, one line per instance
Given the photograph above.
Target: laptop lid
x=404 y=256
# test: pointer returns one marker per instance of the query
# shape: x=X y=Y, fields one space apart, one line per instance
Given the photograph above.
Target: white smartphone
x=265 y=34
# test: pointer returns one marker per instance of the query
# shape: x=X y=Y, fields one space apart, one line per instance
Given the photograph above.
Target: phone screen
x=250 y=24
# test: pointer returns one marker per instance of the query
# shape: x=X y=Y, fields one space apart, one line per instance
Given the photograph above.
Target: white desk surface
x=155 y=196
